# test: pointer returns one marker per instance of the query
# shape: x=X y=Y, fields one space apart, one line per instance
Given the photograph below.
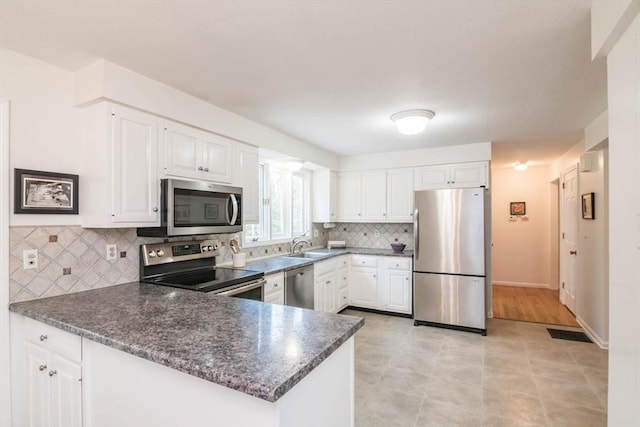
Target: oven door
x=252 y=290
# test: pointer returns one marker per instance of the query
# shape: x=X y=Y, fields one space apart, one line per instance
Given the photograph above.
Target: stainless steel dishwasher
x=298 y=287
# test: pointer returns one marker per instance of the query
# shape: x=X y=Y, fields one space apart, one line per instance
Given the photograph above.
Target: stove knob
x=160 y=253
x=210 y=247
x=152 y=254
x=205 y=248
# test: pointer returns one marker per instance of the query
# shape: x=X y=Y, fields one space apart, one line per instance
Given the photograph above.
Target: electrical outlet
x=112 y=252
x=30 y=259
x=315 y=233
x=376 y=233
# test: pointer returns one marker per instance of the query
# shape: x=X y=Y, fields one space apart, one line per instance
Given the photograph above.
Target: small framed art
x=518 y=208
x=39 y=192
x=588 y=206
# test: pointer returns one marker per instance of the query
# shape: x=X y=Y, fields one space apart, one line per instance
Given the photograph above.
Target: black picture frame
x=40 y=192
x=518 y=208
x=588 y=206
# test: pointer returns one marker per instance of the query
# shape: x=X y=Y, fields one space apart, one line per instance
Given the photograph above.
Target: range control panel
x=162 y=253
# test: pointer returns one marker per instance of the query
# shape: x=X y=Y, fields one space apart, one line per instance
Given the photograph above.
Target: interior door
x=569 y=238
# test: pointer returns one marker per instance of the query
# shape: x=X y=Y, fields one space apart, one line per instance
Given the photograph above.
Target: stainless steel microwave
x=195 y=207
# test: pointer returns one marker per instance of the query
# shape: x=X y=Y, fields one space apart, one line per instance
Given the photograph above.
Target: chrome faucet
x=298 y=242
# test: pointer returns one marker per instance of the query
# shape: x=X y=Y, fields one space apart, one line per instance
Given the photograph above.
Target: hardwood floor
x=530 y=305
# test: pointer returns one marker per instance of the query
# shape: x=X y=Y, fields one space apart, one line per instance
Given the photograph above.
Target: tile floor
x=515 y=376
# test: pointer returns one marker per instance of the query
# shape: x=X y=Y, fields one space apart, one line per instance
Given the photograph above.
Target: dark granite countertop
x=283 y=263
x=241 y=344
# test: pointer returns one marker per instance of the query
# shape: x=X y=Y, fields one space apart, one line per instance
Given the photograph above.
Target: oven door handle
x=241 y=289
x=234 y=215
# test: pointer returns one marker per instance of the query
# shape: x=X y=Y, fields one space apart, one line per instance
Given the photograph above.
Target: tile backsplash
x=364 y=235
x=72 y=258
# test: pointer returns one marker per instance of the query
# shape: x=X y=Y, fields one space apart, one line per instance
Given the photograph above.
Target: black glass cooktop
x=207 y=279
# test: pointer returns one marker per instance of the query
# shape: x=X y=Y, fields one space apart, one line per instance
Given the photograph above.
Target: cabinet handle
x=200 y=168
x=206 y=169
x=42 y=367
x=328 y=281
x=275 y=285
x=43 y=337
x=359 y=214
x=52 y=373
x=155 y=209
x=374 y=275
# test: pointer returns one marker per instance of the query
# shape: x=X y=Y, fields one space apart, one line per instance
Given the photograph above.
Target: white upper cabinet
x=458 y=175
x=350 y=196
x=400 y=195
x=188 y=152
x=119 y=185
x=246 y=176
x=374 y=195
x=324 y=194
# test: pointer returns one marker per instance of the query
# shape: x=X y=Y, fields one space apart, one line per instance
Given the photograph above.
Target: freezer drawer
x=449 y=300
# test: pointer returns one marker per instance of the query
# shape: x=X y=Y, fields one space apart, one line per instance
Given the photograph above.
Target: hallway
x=526 y=304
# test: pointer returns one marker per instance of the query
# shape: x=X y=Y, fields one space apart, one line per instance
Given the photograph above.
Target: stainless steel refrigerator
x=449 y=259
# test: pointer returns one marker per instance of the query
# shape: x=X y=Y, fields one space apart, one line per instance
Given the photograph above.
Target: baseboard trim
x=591 y=334
x=523 y=285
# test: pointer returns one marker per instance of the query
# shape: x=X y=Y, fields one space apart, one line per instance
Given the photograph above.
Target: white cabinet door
x=325 y=191
x=350 y=196
x=246 y=176
x=363 y=287
x=325 y=292
x=397 y=291
x=374 y=195
x=343 y=298
x=469 y=175
x=216 y=158
x=136 y=188
x=432 y=177
x=400 y=195
x=66 y=392
x=181 y=147
x=39 y=386
x=274 y=288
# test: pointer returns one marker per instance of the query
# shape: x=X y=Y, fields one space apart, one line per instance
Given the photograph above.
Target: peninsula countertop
x=256 y=348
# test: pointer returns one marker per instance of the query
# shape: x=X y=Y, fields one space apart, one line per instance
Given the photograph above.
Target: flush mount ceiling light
x=412 y=122
x=294 y=165
x=521 y=166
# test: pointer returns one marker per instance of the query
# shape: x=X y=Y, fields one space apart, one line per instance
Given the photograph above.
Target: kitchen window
x=285 y=207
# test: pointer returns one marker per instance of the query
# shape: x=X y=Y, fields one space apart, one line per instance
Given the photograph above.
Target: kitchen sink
x=308 y=255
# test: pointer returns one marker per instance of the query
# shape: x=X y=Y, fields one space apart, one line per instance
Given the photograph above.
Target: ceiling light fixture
x=521 y=166
x=412 y=122
x=294 y=165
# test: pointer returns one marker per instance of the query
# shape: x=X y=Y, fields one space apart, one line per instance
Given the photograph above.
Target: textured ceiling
x=516 y=73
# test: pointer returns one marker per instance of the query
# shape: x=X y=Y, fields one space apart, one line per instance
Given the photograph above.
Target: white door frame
x=564 y=256
x=5 y=368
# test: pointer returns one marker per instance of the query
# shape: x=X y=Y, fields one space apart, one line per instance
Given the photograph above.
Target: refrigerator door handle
x=416 y=234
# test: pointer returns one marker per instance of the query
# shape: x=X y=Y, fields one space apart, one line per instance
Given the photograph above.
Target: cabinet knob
x=206 y=169
x=374 y=275
x=275 y=285
x=52 y=373
x=200 y=168
x=328 y=281
x=43 y=337
x=359 y=214
x=155 y=209
x=42 y=367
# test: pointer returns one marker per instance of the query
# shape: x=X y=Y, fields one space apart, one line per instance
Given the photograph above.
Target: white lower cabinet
x=381 y=283
x=325 y=286
x=343 y=282
x=46 y=368
x=274 y=288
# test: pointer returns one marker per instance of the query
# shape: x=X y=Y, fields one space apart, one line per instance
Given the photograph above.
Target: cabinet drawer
x=397 y=263
x=54 y=339
x=343 y=278
x=324 y=267
x=275 y=283
x=343 y=261
x=364 y=261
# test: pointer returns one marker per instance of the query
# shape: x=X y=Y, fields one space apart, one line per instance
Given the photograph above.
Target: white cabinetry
x=325 y=192
x=192 y=153
x=362 y=196
x=326 y=286
x=350 y=196
x=47 y=387
x=400 y=195
x=343 y=281
x=458 y=175
x=119 y=185
x=395 y=285
x=381 y=282
x=274 y=288
x=246 y=176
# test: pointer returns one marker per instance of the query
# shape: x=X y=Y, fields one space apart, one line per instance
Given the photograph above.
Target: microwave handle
x=234 y=204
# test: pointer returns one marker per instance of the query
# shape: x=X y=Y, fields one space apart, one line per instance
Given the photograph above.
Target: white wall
x=421 y=157
x=521 y=247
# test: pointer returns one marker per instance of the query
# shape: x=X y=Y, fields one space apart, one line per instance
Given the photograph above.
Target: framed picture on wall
x=38 y=192
x=588 y=206
x=518 y=208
